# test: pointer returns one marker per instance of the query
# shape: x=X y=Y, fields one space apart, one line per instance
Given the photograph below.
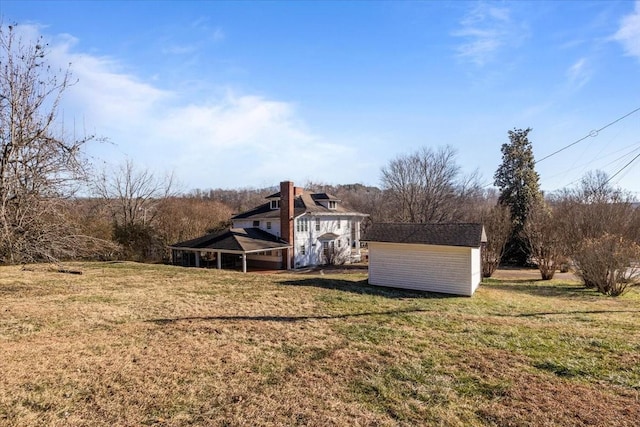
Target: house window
x=275 y=204
x=268 y=225
x=338 y=226
x=302 y=250
x=256 y=223
x=317 y=224
x=332 y=205
x=339 y=243
x=305 y=223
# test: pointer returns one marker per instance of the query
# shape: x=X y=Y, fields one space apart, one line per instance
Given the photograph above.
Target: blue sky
x=246 y=94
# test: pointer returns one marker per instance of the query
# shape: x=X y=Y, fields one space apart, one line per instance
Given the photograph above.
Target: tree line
x=129 y=213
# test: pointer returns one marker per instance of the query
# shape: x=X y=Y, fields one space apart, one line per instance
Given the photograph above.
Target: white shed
x=426 y=257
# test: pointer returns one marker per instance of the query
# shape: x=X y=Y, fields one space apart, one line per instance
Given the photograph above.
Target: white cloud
x=243 y=139
x=629 y=32
x=487 y=29
x=218 y=34
x=579 y=73
x=228 y=140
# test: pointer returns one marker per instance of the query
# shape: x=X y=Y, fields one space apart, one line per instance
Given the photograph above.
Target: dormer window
x=331 y=204
x=275 y=204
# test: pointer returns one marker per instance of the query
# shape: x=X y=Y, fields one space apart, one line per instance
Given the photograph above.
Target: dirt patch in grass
x=530 y=274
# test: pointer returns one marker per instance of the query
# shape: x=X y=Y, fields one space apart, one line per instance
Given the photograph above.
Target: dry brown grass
x=130 y=344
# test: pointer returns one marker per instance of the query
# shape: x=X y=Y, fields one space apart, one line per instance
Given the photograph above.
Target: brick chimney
x=286 y=217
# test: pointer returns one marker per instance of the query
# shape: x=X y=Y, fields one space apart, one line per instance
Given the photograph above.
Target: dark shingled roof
x=461 y=234
x=235 y=239
x=324 y=196
x=305 y=203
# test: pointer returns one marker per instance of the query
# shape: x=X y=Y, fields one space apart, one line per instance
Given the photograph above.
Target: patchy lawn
x=132 y=344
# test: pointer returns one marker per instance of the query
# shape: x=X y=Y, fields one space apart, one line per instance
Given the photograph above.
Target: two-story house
x=292 y=229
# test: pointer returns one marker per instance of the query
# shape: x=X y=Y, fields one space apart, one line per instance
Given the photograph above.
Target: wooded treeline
x=139 y=227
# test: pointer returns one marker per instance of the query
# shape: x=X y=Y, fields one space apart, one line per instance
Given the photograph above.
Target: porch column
x=198 y=259
x=219 y=259
x=244 y=263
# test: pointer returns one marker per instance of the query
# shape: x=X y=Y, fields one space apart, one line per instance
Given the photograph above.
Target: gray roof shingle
x=235 y=239
x=445 y=234
x=305 y=203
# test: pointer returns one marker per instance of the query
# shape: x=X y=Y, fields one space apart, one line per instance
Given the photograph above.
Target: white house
x=427 y=257
x=292 y=229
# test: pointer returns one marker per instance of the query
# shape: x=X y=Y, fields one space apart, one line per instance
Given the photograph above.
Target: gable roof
x=235 y=240
x=446 y=234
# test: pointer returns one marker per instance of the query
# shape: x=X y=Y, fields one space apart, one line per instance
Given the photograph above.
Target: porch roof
x=234 y=240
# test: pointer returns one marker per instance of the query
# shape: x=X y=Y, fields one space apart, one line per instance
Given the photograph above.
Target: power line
x=621 y=169
x=591 y=134
x=582 y=166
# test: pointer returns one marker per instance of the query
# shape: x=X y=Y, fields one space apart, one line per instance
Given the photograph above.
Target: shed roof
x=446 y=234
x=235 y=240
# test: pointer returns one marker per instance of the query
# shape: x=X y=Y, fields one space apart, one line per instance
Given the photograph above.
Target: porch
x=238 y=249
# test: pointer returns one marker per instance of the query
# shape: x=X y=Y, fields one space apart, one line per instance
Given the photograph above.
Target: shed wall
x=446 y=269
x=476 y=269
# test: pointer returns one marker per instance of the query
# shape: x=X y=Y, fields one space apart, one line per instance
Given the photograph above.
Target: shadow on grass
x=285 y=319
x=363 y=287
x=560 y=313
x=544 y=289
x=491 y=280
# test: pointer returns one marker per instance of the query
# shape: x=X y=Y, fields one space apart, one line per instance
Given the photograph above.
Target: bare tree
x=426 y=186
x=134 y=195
x=594 y=209
x=600 y=233
x=608 y=263
x=183 y=218
x=238 y=200
x=594 y=187
x=544 y=240
x=39 y=166
x=497 y=224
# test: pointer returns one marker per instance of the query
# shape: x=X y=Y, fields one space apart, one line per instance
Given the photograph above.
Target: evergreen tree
x=519 y=188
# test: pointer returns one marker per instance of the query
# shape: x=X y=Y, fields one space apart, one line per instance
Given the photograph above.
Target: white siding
x=313 y=247
x=445 y=269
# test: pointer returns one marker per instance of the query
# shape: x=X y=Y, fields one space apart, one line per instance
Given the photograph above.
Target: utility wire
x=621 y=169
x=591 y=134
x=582 y=166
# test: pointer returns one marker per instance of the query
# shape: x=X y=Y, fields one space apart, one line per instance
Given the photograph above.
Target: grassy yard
x=131 y=344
